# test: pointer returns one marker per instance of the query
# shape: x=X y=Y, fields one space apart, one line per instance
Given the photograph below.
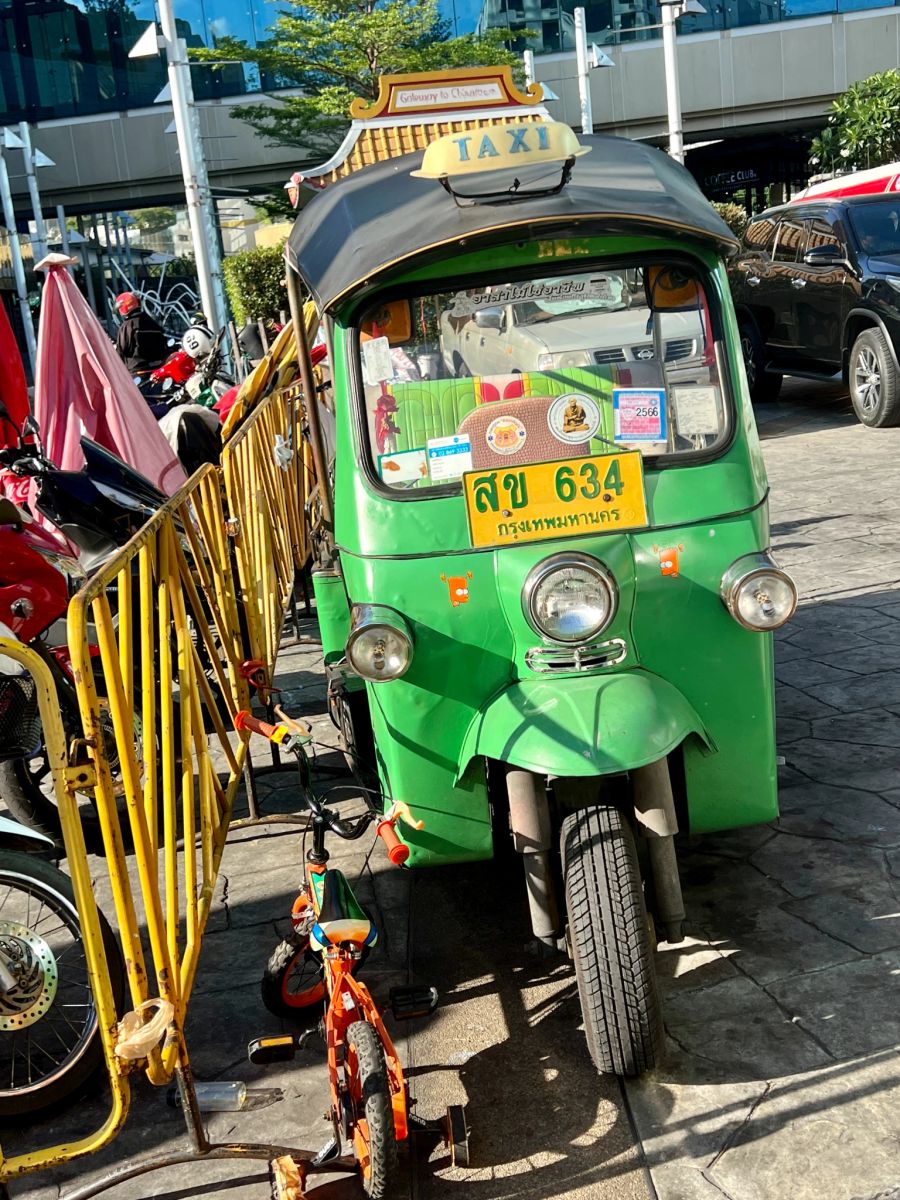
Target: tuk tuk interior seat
x=433 y=408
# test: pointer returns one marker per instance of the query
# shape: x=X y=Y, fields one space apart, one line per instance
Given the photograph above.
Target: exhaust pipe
x=529 y=815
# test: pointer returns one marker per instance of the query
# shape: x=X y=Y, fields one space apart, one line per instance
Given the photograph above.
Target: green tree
x=335 y=50
x=153 y=220
x=863 y=127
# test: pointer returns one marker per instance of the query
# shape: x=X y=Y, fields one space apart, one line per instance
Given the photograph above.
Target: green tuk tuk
x=544 y=586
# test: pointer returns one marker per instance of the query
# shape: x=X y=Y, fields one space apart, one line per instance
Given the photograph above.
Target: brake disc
x=32 y=964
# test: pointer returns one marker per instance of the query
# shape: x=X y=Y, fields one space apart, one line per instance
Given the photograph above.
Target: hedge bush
x=255 y=284
x=733 y=215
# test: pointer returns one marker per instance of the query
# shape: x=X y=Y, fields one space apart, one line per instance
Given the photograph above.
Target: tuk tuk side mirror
x=671 y=290
x=489 y=318
x=393 y=321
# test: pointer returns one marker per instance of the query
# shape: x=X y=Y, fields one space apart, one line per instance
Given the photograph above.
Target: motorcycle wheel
x=49 y=1038
x=26 y=788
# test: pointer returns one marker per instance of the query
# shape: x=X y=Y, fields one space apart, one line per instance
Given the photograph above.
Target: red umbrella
x=15 y=390
x=83 y=387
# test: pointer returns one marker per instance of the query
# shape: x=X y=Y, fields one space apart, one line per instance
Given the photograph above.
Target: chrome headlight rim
x=549 y=566
x=742 y=572
x=368 y=618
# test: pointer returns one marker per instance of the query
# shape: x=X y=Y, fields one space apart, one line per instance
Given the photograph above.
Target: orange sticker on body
x=669 y=559
x=459 y=588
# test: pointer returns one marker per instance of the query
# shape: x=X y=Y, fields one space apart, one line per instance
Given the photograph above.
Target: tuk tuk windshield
x=540 y=370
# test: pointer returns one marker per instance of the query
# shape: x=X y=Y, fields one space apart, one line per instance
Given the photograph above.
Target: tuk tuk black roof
x=370 y=224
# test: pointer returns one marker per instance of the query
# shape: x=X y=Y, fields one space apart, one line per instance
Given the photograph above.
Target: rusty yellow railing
x=167 y=681
x=267 y=474
x=65 y=780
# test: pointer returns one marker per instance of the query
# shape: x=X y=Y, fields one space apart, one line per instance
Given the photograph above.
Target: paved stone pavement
x=781 y=1006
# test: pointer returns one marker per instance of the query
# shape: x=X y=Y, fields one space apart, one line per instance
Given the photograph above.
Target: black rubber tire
x=379 y=1115
x=25 y=800
x=62 y=1090
x=288 y=956
x=610 y=942
x=764 y=385
x=883 y=409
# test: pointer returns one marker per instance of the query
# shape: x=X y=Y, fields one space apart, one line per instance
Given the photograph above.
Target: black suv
x=817 y=294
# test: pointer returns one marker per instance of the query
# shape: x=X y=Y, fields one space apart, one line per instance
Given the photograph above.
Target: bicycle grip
x=397 y=852
x=246 y=720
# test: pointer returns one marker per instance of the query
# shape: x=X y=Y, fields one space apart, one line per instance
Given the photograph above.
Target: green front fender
x=584 y=725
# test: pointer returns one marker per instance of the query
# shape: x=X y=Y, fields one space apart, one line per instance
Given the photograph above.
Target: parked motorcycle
x=184 y=412
x=49 y=1038
x=96 y=510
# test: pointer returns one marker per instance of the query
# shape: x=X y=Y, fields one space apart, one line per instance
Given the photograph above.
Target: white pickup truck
x=577 y=322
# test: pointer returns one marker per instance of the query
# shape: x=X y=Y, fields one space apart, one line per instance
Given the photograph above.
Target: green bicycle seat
x=341 y=918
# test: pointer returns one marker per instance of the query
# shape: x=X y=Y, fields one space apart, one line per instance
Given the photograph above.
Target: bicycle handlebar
x=397 y=852
x=245 y=720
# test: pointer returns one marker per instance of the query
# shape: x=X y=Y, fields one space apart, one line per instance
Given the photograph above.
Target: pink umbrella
x=83 y=387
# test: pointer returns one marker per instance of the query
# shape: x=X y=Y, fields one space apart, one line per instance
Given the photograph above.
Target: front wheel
x=764 y=385
x=874 y=382
x=49 y=1038
x=610 y=941
x=374 y=1140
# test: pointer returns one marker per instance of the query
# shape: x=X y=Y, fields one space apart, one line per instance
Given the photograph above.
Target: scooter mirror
x=30 y=426
x=9 y=514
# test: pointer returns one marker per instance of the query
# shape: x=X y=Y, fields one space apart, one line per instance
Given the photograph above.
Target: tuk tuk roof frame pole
x=204 y=234
x=310 y=396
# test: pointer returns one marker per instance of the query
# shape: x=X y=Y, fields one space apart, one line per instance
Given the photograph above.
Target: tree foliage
x=153 y=220
x=254 y=281
x=335 y=50
x=863 y=127
x=734 y=216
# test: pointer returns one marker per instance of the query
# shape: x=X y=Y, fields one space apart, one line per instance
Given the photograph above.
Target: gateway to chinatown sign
x=445 y=91
x=462 y=95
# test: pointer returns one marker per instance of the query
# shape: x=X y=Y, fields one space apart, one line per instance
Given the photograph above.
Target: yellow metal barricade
x=95 y=953
x=158 y=702
x=267 y=472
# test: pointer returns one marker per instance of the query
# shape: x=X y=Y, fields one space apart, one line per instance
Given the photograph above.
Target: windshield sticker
x=639 y=414
x=506 y=435
x=406 y=466
x=599 y=288
x=449 y=457
x=573 y=418
x=376 y=360
x=696 y=410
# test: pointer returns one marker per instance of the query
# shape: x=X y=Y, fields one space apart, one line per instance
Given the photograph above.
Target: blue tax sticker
x=639 y=414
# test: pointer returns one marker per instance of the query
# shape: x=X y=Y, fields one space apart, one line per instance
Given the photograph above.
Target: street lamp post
x=204 y=234
x=671 y=9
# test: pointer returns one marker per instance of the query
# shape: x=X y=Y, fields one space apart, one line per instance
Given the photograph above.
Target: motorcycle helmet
x=126 y=302
x=197 y=341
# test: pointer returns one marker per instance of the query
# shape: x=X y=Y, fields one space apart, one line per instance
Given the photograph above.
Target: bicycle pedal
x=408 y=1003
x=331 y=1149
x=266 y=1050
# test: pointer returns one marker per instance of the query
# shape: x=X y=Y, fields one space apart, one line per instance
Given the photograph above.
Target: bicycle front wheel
x=374 y=1140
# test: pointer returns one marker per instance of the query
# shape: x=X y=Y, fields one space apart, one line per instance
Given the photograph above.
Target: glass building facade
x=61 y=58
x=67 y=58
x=622 y=21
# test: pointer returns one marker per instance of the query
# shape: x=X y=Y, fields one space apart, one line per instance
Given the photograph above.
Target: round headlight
x=380 y=646
x=569 y=598
x=758 y=594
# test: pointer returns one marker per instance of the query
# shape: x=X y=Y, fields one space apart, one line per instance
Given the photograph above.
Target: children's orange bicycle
x=370 y=1102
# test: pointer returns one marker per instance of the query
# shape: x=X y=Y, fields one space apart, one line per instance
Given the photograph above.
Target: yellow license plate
x=601 y=494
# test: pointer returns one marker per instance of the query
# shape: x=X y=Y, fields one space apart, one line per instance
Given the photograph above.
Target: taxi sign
x=500 y=147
